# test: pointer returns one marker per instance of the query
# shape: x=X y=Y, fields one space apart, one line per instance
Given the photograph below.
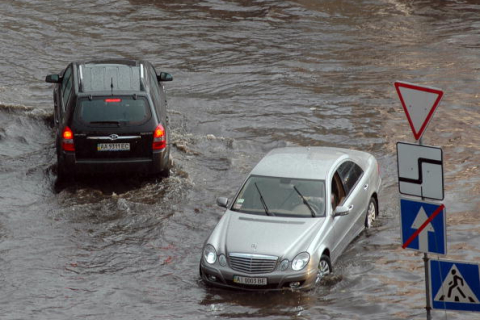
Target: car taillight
x=67 y=140
x=159 y=140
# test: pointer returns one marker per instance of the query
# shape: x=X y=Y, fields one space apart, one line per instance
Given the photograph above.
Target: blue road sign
x=423 y=226
x=454 y=285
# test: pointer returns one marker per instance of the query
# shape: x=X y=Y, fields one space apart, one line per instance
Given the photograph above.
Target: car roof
x=303 y=162
x=111 y=75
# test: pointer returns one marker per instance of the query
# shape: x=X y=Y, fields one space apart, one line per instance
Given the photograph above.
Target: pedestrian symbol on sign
x=455 y=289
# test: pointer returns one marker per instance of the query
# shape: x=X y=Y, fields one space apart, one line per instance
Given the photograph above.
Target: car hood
x=277 y=236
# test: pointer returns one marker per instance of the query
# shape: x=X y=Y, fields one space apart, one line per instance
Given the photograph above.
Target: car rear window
x=121 y=110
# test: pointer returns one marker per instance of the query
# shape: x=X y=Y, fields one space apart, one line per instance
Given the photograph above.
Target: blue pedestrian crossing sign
x=423 y=226
x=454 y=285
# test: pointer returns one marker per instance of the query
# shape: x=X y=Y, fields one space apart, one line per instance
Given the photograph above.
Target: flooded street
x=249 y=76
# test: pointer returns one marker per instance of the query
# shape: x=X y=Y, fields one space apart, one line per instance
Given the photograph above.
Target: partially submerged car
x=111 y=116
x=294 y=215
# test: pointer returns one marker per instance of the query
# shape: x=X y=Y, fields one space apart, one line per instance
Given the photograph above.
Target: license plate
x=113 y=147
x=250 y=281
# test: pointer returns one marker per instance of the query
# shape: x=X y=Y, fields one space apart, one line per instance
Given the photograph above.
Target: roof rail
x=142 y=78
x=81 y=78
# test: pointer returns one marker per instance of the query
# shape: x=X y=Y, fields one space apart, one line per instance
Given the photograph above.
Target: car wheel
x=62 y=174
x=324 y=267
x=165 y=173
x=371 y=213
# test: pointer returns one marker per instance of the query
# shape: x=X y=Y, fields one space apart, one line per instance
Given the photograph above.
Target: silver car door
x=340 y=223
x=357 y=185
x=349 y=225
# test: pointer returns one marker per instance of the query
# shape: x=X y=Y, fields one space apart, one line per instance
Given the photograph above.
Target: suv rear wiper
x=106 y=122
x=263 y=201
x=305 y=202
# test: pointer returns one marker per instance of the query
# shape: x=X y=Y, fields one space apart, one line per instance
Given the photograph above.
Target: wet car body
x=111 y=117
x=280 y=232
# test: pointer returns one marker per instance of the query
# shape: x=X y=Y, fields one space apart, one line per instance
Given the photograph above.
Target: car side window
x=349 y=173
x=66 y=86
x=338 y=192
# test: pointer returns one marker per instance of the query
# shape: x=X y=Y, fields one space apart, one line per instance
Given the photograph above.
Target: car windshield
x=113 y=110
x=281 y=197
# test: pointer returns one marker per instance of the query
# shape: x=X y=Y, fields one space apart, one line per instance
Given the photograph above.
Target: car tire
x=372 y=212
x=165 y=173
x=62 y=174
x=324 y=267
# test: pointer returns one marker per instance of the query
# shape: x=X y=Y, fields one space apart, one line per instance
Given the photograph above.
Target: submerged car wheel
x=165 y=173
x=324 y=267
x=62 y=173
x=371 y=213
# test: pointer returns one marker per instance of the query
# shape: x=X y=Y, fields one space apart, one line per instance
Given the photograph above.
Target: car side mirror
x=163 y=76
x=341 y=211
x=53 y=78
x=222 y=202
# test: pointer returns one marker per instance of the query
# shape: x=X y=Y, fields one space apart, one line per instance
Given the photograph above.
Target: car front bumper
x=217 y=275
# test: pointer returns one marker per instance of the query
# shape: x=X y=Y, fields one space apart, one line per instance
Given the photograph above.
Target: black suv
x=111 y=116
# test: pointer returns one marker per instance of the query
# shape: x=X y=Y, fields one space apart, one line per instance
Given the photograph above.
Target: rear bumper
x=154 y=165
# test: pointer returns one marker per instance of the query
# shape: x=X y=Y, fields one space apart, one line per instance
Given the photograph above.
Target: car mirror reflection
x=164 y=76
x=342 y=211
x=53 y=78
x=222 y=202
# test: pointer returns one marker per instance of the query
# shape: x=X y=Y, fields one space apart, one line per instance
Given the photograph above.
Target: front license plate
x=250 y=281
x=113 y=147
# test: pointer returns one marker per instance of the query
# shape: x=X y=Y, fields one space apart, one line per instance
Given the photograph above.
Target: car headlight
x=209 y=254
x=300 y=261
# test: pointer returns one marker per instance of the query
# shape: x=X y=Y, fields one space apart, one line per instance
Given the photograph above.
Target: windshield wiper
x=263 y=201
x=106 y=122
x=305 y=202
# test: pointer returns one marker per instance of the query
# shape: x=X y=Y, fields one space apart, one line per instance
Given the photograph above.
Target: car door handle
x=365 y=187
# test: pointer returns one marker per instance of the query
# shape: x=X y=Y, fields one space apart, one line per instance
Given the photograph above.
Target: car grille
x=252 y=263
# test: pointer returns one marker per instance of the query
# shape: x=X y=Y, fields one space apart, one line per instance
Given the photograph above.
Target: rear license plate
x=113 y=147
x=250 y=281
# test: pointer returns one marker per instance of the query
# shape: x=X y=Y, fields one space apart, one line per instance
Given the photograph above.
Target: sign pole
x=428 y=307
x=427 y=286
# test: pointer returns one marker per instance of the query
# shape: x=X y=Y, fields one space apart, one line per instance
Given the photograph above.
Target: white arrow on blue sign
x=454 y=285
x=423 y=226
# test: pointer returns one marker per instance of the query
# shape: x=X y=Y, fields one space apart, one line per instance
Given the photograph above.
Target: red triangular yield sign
x=419 y=104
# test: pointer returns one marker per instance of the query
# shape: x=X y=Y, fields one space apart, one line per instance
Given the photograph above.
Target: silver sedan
x=294 y=215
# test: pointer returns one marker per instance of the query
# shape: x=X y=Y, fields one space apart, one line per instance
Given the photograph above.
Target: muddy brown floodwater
x=249 y=76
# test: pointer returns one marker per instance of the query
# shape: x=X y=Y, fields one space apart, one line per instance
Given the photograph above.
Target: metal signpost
x=420 y=171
